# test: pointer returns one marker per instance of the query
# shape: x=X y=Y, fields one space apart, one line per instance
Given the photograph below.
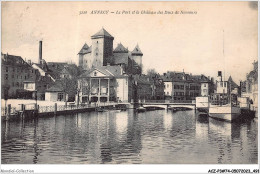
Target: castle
x=101 y=53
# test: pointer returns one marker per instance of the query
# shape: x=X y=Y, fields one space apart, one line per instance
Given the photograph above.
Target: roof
x=102 y=33
x=120 y=58
x=44 y=66
x=57 y=68
x=115 y=71
x=137 y=51
x=13 y=60
x=233 y=84
x=83 y=49
x=200 y=78
x=120 y=49
x=57 y=87
x=142 y=79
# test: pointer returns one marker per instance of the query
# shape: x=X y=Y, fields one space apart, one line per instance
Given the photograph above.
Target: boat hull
x=227 y=113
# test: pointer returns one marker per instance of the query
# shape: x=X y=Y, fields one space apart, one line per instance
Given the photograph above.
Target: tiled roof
x=233 y=84
x=44 y=66
x=120 y=58
x=120 y=49
x=13 y=60
x=84 y=49
x=102 y=33
x=56 y=68
x=142 y=79
x=115 y=71
x=137 y=51
x=57 y=87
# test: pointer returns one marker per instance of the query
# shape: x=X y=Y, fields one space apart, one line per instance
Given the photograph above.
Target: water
x=153 y=137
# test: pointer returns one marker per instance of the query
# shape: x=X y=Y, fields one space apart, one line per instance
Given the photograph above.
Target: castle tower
x=137 y=57
x=81 y=54
x=102 y=48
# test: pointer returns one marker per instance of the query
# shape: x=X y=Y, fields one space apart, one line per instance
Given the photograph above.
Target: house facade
x=14 y=72
x=103 y=84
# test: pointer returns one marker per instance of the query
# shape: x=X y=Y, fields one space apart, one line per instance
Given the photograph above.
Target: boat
x=100 y=109
x=245 y=106
x=202 y=104
x=224 y=107
x=140 y=109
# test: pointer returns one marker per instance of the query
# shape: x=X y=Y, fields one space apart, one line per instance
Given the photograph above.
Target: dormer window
x=95 y=73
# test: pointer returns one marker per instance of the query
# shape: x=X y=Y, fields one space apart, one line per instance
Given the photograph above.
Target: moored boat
x=140 y=109
x=224 y=107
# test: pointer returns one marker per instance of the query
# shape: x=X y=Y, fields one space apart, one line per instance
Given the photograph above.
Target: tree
x=151 y=72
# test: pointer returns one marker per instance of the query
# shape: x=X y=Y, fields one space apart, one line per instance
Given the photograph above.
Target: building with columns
x=103 y=84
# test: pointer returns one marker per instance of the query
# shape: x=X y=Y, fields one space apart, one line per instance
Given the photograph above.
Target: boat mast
x=224 y=58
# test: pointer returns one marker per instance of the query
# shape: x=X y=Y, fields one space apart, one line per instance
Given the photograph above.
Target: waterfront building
x=105 y=83
x=204 y=85
x=14 y=71
x=142 y=88
x=56 y=93
x=250 y=87
x=180 y=86
x=61 y=70
x=168 y=90
x=101 y=53
x=157 y=87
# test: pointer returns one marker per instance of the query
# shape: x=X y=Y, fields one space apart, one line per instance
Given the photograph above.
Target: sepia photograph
x=107 y=82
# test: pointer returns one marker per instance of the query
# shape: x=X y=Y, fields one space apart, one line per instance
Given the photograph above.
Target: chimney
x=219 y=78
x=40 y=52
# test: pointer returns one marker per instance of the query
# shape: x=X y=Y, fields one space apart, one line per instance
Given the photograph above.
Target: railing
x=166 y=101
x=43 y=109
x=46 y=109
x=4 y=111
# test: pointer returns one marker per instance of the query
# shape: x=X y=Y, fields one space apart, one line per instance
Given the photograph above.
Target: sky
x=217 y=36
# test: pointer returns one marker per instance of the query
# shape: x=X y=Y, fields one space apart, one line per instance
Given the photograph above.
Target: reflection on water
x=153 y=137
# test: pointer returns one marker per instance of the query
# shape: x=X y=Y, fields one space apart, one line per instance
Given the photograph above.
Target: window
x=32 y=70
x=60 y=96
x=221 y=84
x=6 y=76
x=205 y=85
x=167 y=85
x=96 y=54
x=167 y=93
x=225 y=84
x=95 y=73
x=6 y=69
x=97 y=41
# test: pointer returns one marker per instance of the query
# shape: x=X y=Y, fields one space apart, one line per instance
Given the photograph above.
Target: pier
x=34 y=110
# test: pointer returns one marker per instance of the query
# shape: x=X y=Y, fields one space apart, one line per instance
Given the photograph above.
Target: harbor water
x=127 y=137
